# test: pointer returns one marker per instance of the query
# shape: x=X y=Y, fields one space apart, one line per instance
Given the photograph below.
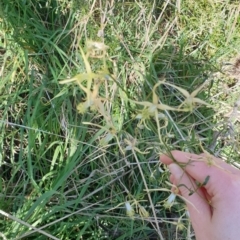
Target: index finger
x=199 y=167
x=178 y=155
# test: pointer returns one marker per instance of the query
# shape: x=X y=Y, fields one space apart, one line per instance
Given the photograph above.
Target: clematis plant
x=129 y=210
x=155 y=108
x=94 y=81
x=191 y=99
x=90 y=82
x=170 y=201
x=151 y=109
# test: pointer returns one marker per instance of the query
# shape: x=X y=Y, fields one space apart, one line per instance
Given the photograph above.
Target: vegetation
x=92 y=92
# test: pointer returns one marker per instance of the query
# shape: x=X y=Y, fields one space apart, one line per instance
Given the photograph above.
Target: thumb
x=197 y=204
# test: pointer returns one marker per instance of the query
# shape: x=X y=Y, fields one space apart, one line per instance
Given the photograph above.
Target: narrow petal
x=197 y=100
x=87 y=65
x=195 y=92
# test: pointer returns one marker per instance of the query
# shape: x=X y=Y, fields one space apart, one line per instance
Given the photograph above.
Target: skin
x=215 y=207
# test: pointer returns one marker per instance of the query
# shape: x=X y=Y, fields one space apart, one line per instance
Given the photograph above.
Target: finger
x=175 y=183
x=171 y=178
x=201 y=168
x=197 y=204
x=167 y=160
x=224 y=165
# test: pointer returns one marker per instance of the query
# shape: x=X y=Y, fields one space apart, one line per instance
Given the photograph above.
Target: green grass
x=67 y=170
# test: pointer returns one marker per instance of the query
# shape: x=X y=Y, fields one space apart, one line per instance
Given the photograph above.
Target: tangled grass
x=92 y=92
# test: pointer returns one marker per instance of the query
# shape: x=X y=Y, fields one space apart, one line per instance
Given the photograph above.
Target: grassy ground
x=91 y=93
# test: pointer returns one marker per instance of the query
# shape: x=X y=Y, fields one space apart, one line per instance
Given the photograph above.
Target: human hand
x=214 y=208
